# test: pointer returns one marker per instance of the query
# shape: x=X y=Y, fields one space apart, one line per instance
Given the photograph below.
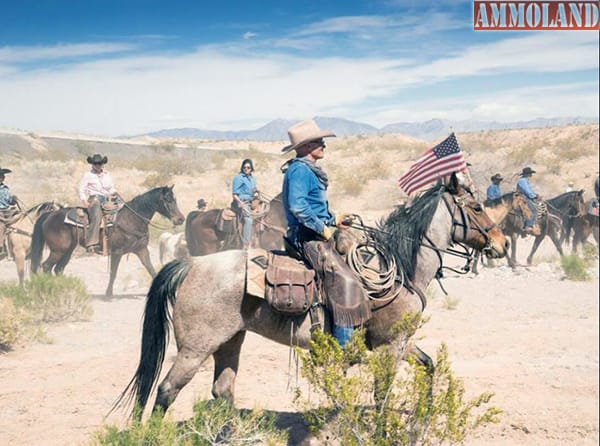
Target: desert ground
x=530 y=336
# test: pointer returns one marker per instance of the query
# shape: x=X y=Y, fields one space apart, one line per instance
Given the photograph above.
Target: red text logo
x=536 y=15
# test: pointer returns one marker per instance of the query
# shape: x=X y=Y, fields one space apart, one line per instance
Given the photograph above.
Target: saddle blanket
x=78 y=217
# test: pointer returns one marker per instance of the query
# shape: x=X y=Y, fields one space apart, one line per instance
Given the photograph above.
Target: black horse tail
x=155 y=335
x=37 y=242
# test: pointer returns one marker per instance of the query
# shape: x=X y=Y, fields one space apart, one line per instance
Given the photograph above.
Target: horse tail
x=155 y=335
x=37 y=242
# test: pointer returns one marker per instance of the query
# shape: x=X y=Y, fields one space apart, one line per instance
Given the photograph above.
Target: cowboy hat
x=304 y=132
x=527 y=171
x=97 y=159
x=201 y=203
x=3 y=171
x=496 y=177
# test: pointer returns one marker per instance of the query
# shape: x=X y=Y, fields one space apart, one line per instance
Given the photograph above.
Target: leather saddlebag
x=289 y=285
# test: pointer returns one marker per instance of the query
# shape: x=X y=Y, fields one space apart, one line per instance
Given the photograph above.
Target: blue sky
x=129 y=67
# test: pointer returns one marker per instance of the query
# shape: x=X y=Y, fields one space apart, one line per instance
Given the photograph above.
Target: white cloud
x=249 y=35
x=232 y=88
x=16 y=54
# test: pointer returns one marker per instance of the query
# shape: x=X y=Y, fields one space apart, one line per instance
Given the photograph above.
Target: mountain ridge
x=276 y=129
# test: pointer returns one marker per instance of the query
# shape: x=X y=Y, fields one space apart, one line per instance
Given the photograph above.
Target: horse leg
x=512 y=259
x=53 y=258
x=115 y=259
x=144 y=256
x=476 y=262
x=227 y=361
x=534 y=248
x=62 y=262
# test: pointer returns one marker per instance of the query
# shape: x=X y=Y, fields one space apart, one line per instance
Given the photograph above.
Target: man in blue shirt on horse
x=243 y=191
x=6 y=201
x=311 y=226
x=493 y=191
x=524 y=187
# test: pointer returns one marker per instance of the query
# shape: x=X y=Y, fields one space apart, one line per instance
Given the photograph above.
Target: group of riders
x=310 y=222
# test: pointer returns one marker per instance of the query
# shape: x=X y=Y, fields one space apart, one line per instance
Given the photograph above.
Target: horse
x=212 y=308
x=129 y=233
x=18 y=234
x=584 y=225
x=568 y=206
x=171 y=246
x=509 y=203
x=204 y=236
x=550 y=223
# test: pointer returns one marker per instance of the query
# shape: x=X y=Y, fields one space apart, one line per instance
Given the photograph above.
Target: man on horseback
x=493 y=193
x=7 y=200
x=311 y=226
x=243 y=192
x=524 y=187
x=95 y=188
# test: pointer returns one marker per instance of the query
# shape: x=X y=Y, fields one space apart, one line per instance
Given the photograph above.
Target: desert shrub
x=575 y=268
x=409 y=408
x=11 y=322
x=48 y=298
x=214 y=422
x=156 y=179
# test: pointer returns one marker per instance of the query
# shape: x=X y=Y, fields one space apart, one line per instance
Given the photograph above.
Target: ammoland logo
x=535 y=15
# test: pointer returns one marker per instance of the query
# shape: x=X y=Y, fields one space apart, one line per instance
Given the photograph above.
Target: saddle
x=284 y=282
x=226 y=221
x=78 y=216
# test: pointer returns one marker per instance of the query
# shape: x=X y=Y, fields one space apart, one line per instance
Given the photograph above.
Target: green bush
x=214 y=422
x=575 y=268
x=48 y=298
x=11 y=322
x=370 y=404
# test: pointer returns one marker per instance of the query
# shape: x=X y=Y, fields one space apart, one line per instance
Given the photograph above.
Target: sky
x=128 y=67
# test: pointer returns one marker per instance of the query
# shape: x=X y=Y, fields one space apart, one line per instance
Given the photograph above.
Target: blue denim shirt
x=6 y=198
x=524 y=187
x=494 y=192
x=244 y=186
x=305 y=199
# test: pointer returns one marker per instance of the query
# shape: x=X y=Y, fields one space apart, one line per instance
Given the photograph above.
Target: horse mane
x=144 y=202
x=565 y=197
x=402 y=231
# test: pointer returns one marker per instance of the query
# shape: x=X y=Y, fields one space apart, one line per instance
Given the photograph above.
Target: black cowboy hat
x=97 y=159
x=527 y=171
x=201 y=203
x=3 y=171
x=496 y=177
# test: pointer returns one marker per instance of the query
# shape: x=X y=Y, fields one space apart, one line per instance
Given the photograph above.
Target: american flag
x=436 y=163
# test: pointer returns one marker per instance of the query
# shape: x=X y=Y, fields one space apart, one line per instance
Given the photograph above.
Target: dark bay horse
x=212 y=309
x=204 y=237
x=550 y=223
x=568 y=206
x=584 y=225
x=129 y=233
x=19 y=234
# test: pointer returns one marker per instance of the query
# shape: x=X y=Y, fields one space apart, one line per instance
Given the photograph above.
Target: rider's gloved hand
x=327 y=232
x=342 y=221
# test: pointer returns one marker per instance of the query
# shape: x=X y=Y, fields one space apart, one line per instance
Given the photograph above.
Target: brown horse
x=19 y=232
x=212 y=308
x=204 y=237
x=511 y=203
x=128 y=234
x=584 y=225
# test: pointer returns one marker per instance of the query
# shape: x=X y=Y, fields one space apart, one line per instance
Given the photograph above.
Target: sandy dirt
x=531 y=338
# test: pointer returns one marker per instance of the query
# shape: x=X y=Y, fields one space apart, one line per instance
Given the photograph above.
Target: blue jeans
x=247 y=222
x=530 y=222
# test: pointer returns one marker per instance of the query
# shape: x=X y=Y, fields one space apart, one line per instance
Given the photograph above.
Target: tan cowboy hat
x=3 y=171
x=303 y=132
x=97 y=159
x=496 y=177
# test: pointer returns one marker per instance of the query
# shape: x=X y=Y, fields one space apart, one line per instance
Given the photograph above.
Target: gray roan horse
x=212 y=309
x=128 y=234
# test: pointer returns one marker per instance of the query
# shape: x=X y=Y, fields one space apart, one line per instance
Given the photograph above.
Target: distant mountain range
x=428 y=130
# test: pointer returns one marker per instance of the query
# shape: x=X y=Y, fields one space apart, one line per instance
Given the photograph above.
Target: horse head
x=168 y=205
x=470 y=223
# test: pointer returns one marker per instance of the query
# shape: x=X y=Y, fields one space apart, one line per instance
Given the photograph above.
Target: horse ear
x=453 y=184
x=172 y=186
